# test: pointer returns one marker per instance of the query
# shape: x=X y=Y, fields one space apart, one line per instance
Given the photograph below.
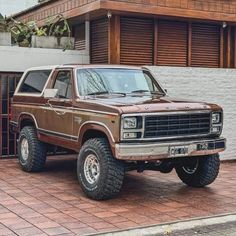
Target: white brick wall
x=211 y=85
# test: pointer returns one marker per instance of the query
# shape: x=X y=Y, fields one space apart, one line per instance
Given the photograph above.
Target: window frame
x=154 y=79
x=23 y=78
x=71 y=79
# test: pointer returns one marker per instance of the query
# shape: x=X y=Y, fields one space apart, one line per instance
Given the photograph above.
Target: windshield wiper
x=106 y=92
x=147 y=91
x=158 y=93
x=98 y=93
x=141 y=91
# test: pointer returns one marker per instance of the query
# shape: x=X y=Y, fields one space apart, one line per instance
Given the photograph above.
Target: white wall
x=211 y=85
x=18 y=59
x=9 y=7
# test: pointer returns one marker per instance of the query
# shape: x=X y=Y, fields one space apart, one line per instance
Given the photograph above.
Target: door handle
x=48 y=104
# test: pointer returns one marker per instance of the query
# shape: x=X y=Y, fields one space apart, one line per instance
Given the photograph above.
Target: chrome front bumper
x=163 y=150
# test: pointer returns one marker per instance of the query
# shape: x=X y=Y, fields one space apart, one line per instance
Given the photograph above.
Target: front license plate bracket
x=178 y=151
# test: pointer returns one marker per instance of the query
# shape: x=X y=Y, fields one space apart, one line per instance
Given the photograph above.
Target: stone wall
x=211 y=85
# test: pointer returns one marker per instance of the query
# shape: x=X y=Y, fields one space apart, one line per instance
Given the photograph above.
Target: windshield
x=97 y=81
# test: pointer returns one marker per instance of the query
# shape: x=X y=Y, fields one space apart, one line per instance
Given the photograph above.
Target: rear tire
x=31 y=152
x=198 y=171
x=100 y=175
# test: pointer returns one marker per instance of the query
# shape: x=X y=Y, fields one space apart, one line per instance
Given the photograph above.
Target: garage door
x=136 y=41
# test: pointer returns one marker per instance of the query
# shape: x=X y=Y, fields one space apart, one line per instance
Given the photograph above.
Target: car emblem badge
x=146 y=108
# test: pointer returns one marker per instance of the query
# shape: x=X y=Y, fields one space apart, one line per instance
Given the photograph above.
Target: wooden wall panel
x=172 y=43
x=205 y=45
x=99 y=41
x=137 y=36
x=221 y=10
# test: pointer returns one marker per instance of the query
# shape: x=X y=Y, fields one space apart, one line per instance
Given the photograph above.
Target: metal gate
x=8 y=82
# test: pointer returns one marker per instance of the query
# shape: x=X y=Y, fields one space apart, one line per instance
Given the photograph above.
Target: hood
x=133 y=104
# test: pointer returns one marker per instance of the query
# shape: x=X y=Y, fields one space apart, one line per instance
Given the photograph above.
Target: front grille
x=174 y=125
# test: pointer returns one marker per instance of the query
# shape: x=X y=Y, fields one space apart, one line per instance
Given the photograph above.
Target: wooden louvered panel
x=205 y=45
x=79 y=34
x=172 y=43
x=136 y=41
x=79 y=31
x=99 y=41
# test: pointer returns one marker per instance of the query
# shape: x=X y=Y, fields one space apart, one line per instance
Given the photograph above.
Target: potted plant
x=22 y=32
x=5 y=36
x=59 y=34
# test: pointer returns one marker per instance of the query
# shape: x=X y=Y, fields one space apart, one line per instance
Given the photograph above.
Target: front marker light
x=215 y=129
x=216 y=118
x=130 y=135
x=130 y=123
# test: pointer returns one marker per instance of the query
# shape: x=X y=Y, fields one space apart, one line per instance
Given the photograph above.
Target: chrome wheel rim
x=24 y=149
x=91 y=169
x=191 y=168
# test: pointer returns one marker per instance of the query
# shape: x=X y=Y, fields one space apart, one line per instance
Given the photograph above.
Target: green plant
x=3 y=24
x=22 y=32
x=59 y=27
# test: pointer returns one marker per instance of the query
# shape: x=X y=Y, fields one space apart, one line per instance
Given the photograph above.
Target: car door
x=59 y=110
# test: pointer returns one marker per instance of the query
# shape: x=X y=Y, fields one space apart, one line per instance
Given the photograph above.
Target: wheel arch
x=26 y=119
x=95 y=130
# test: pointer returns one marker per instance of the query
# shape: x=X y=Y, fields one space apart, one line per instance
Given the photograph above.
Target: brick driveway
x=52 y=203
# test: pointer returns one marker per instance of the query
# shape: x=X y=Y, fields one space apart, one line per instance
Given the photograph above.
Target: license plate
x=178 y=151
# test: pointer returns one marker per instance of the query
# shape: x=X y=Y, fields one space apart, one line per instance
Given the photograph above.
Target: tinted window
x=34 y=82
x=63 y=84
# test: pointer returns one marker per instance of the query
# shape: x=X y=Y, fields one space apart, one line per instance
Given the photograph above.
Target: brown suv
x=118 y=118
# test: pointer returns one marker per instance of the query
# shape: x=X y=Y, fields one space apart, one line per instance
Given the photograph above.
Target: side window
x=34 y=82
x=63 y=84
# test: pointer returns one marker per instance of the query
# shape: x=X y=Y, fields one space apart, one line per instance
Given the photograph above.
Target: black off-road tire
x=205 y=173
x=36 y=159
x=110 y=180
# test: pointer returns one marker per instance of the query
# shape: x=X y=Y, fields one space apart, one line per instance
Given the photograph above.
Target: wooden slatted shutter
x=136 y=41
x=99 y=41
x=79 y=34
x=205 y=45
x=172 y=43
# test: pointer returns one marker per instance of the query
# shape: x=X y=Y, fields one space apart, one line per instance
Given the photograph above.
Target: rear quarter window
x=34 y=81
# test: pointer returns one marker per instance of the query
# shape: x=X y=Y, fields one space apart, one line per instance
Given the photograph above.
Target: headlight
x=130 y=123
x=216 y=118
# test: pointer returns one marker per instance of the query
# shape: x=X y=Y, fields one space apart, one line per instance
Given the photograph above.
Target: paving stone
x=146 y=199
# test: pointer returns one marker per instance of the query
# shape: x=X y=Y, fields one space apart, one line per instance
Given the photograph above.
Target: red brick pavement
x=52 y=203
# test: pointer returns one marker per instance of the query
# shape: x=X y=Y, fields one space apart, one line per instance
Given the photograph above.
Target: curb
x=168 y=228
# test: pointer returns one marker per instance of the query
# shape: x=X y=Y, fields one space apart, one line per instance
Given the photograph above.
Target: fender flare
x=28 y=116
x=96 y=126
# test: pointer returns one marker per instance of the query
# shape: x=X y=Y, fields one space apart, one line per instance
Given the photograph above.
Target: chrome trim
x=160 y=150
x=154 y=77
x=124 y=68
x=143 y=115
x=61 y=135
x=32 y=94
x=18 y=104
x=98 y=123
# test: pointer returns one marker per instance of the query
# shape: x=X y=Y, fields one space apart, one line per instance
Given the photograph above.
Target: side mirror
x=50 y=93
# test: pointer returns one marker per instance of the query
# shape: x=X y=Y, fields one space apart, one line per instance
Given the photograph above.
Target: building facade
x=197 y=33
